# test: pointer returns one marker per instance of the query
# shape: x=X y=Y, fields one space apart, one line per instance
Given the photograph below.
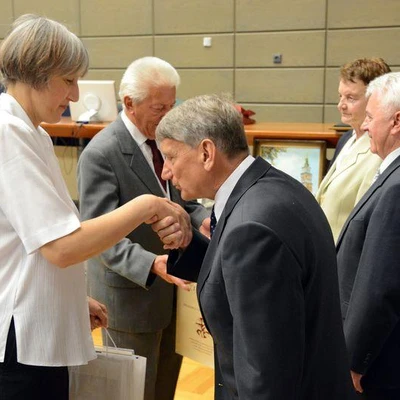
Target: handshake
x=172 y=225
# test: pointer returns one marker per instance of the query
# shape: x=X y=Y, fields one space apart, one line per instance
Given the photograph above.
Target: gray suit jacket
x=268 y=293
x=112 y=171
x=368 y=252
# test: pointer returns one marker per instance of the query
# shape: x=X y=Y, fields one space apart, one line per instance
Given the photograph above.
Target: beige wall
x=314 y=37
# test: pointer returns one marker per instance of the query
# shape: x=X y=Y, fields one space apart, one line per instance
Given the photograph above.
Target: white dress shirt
x=388 y=160
x=227 y=187
x=140 y=139
x=48 y=303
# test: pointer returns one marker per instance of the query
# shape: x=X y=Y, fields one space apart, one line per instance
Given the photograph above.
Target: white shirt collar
x=140 y=139
x=389 y=159
x=227 y=187
x=133 y=130
x=10 y=105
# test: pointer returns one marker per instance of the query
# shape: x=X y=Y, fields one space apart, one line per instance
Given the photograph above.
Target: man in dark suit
x=119 y=164
x=267 y=286
x=368 y=252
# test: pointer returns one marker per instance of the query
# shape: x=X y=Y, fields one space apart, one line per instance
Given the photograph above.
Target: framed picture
x=304 y=160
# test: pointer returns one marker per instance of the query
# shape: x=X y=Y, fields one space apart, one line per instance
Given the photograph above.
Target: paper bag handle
x=109 y=336
x=112 y=350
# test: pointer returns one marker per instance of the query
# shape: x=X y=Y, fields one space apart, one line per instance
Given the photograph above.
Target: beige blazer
x=344 y=185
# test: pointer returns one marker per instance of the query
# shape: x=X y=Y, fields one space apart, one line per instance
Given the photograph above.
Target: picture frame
x=304 y=160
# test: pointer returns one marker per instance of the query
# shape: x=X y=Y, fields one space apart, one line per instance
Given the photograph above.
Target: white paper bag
x=116 y=374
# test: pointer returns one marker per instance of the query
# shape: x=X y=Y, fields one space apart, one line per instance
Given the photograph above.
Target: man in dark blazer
x=131 y=278
x=368 y=251
x=267 y=286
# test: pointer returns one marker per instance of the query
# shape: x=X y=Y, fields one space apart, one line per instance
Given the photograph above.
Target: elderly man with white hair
x=121 y=163
x=368 y=255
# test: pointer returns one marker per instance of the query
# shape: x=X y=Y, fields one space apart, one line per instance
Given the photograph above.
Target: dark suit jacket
x=368 y=252
x=268 y=293
x=112 y=171
x=339 y=146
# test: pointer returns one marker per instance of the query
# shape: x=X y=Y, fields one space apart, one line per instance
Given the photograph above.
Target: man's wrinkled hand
x=174 y=227
x=356 y=381
x=160 y=268
x=205 y=227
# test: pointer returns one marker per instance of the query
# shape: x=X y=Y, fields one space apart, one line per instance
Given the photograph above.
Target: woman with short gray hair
x=44 y=317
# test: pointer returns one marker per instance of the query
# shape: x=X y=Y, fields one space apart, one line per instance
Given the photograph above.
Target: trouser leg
x=21 y=382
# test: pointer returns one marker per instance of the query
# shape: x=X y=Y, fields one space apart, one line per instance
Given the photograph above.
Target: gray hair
x=144 y=73
x=206 y=117
x=37 y=49
x=387 y=87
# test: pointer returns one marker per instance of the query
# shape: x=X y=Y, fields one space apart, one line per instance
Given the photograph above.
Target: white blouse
x=48 y=303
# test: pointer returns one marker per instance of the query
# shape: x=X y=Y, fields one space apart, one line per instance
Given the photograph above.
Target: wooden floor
x=195 y=382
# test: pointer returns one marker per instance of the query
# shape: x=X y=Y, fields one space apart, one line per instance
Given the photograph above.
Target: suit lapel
x=256 y=170
x=135 y=158
x=327 y=179
x=374 y=187
x=361 y=146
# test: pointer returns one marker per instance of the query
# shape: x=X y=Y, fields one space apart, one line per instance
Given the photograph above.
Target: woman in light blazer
x=354 y=166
